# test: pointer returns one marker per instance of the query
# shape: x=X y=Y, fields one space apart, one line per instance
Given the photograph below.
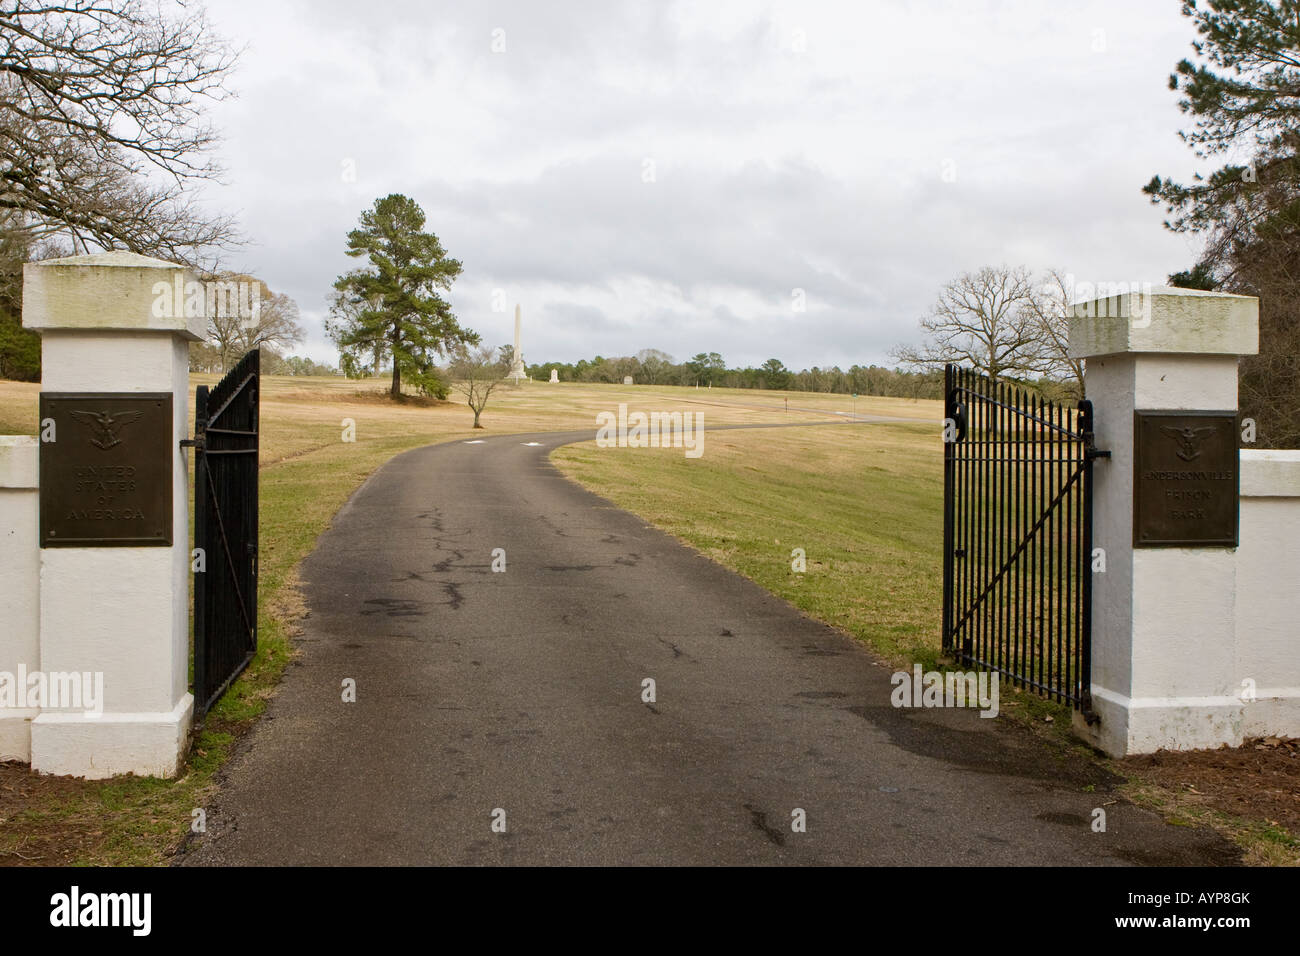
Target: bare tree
x=1049 y=306
x=278 y=323
x=981 y=319
x=244 y=314
x=102 y=131
x=475 y=373
x=204 y=357
x=655 y=365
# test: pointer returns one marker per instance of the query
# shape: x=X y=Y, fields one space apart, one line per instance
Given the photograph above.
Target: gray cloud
x=795 y=146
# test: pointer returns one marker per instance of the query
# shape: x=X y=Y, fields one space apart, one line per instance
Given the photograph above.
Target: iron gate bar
x=239 y=390
x=225 y=547
x=1001 y=423
x=200 y=535
x=1017 y=515
x=225 y=527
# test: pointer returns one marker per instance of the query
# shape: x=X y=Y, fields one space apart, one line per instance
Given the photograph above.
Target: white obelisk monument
x=517 y=369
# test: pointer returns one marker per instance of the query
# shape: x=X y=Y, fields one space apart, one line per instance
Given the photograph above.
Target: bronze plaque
x=106 y=469
x=1185 y=481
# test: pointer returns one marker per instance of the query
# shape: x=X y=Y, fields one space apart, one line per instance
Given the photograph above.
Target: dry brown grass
x=300 y=415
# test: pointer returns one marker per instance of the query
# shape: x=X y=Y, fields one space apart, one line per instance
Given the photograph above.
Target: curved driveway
x=521 y=691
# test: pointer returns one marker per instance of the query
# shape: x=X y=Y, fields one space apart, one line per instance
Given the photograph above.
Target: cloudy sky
x=666 y=175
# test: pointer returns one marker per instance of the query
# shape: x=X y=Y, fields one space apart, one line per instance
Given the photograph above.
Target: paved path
x=522 y=691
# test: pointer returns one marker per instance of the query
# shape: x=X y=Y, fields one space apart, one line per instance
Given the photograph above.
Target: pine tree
x=392 y=309
x=1245 y=95
x=1244 y=100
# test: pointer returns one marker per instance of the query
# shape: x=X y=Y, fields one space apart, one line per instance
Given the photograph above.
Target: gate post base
x=1142 y=726
x=81 y=745
x=16 y=733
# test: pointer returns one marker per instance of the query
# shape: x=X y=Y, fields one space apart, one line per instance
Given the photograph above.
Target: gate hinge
x=192 y=443
x=1093 y=453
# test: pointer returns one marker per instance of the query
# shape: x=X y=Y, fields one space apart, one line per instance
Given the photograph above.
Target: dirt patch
x=1259 y=780
x=47 y=843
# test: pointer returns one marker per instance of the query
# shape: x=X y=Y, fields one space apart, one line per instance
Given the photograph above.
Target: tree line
x=705 y=370
x=652 y=367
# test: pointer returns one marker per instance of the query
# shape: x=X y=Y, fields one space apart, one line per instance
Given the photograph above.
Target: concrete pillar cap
x=1165 y=320
x=113 y=291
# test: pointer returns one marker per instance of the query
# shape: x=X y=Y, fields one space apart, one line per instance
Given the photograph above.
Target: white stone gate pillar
x=114 y=500
x=1163 y=618
x=20 y=583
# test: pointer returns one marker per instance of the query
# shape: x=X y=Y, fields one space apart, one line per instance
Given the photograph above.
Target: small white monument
x=627 y=379
x=555 y=375
x=517 y=368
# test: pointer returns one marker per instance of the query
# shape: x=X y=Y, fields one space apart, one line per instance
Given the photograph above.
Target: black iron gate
x=1017 y=528
x=225 y=530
